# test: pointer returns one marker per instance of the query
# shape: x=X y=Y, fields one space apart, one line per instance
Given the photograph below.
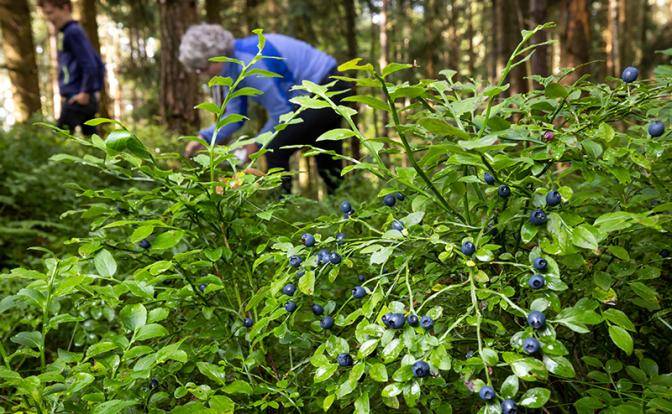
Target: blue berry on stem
x=361 y=278
x=202 y=287
x=531 y=346
x=145 y=244
x=323 y=256
x=358 y=292
x=468 y=248
x=630 y=74
x=400 y=197
x=308 y=239
x=489 y=178
x=413 y=320
x=509 y=407
x=346 y=207
x=426 y=322
x=504 y=191
x=420 y=369
x=317 y=309
x=389 y=200
x=395 y=321
x=536 y=281
x=540 y=264
x=295 y=261
x=290 y=306
x=154 y=383
x=486 y=393
x=340 y=238
x=344 y=360
x=538 y=217
x=397 y=225
x=334 y=258
x=536 y=319
x=248 y=322
x=289 y=289
x=553 y=198
x=327 y=322
x=656 y=129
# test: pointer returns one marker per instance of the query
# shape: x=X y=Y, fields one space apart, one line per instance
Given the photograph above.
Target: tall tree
x=351 y=40
x=539 y=14
x=19 y=50
x=576 y=36
x=213 y=11
x=178 y=91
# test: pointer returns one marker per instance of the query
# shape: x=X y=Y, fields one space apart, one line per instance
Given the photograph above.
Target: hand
x=81 y=98
x=191 y=148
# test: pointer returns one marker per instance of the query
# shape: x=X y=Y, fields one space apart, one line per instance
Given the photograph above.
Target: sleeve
x=235 y=106
x=82 y=50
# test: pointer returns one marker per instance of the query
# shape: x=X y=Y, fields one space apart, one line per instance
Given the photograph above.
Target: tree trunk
x=471 y=53
x=351 y=40
x=454 y=43
x=19 y=50
x=178 y=91
x=213 y=11
x=576 y=36
x=384 y=49
x=613 y=49
x=539 y=13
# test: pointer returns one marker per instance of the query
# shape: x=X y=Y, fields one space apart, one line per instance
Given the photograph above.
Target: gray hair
x=202 y=42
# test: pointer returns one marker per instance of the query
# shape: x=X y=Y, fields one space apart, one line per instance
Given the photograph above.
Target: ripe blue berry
x=389 y=200
x=504 y=191
x=509 y=407
x=344 y=360
x=323 y=256
x=295 y=261
x=289 y=289
x=290 y=306
x=489 y=179
x=361 y=278
x=334 y=258
x=327 y=322
x=426 y=322
x=536 y=319
x=412 y=320
x=145 y=244
x=317 y=309
x=308 y=239
x=468 y=248
x=656 y=129
x=664 y=253
x=340 y=238
x=531 y=346
x=202 y=287
x=300 y=272
x=397 y=225
x=536 y=281
x=384 y=318
x=358 y=292
x=395 y=320
x=348 y=214
x=540 y=264
x=400 y=197
x=486 y=393
x=153 y=384
x=553 y=198
x=346 y=207
x=538 y=217
x=630 y=74
x=248 y=322
x=420 y=369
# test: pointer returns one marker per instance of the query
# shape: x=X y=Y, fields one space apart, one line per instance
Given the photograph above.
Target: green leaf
x=362 y=404
x=133 y=316
x=441 y=127
x=619 y=318
x=378 y=372
x=307 y=283
x=619 y=252
x=324 y=372
x=354 y=65
x=529 y=369
x=621 y=338
x=535 y=397
x=509 y=387
x=371 y=101
x=141 y=233
x=336 y=134
x=152 y=330
x=554 y=90
x=238 y=387
x=582 y=237
x=99 y=348
x=391 y=390
x=113 y=406
x=490 y=357
x=167 y=240
x=395 y=67
x=105 y=264
x=367 y=348
x=528 y=231
x=32 y=340
x=559 y=366
x=222 y=404
x=392 y=350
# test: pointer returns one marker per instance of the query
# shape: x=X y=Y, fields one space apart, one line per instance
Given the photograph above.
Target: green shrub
x=148 y=314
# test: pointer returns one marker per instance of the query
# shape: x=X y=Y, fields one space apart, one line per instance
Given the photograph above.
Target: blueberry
x=397 y=225
x=153 y=384
x=327 y=322
x=553 y=198
x=426 y=322
x=400 y=196
x=145 y=244
x=358 y=292
x=536 y=319
x=308 y=239
x=289 y=289
x=538 y=217
x=656 y=129
x=412 y=320
x=248 y=322
x=531 y=346
x=548 y=136
x=317 y=309
x=468 y=248
x=486 y=393
x=290 y=306
x=489 y=179
x=504 y=191
x=346 y=207
x=295 y=261
x=344 y=360
x=536 y=281
x=420 y=369
x=540 y=264
x=664 y=253
x=334 y=258
x=509 y=407
x=340 y=238
x=630 y=74
x=323 y=256
x=202 y=287
x=469 y=354
x=389 y=200
x=384 y=318
x=300 y=272
x=361 y=278
x=395 y=320
x=348 y=214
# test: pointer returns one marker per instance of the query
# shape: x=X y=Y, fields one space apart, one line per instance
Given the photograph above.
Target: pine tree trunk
x=539 y=13
x=19 y=51
x=213 y=11
x=576 y=36
x=351 y=40
x=178 y=89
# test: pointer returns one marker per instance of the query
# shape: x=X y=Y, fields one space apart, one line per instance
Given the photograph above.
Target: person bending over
x=300 y=61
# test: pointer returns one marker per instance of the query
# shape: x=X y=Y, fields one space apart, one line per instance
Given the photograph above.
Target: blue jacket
x=80 y=69
x=300 y=62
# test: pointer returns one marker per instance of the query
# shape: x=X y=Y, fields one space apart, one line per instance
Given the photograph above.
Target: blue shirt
x=300 y=62
x=80 y=69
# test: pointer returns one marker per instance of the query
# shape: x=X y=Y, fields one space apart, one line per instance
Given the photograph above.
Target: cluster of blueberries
x=629 y=75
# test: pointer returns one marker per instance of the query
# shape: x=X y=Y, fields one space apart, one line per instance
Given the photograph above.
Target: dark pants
x=73 y=115
x=315 y=123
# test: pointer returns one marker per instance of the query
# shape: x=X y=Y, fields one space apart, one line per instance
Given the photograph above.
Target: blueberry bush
x=519 y=263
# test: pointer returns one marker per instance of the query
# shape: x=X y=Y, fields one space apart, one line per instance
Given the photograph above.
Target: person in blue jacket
x=80 y=69
x=300 y=61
